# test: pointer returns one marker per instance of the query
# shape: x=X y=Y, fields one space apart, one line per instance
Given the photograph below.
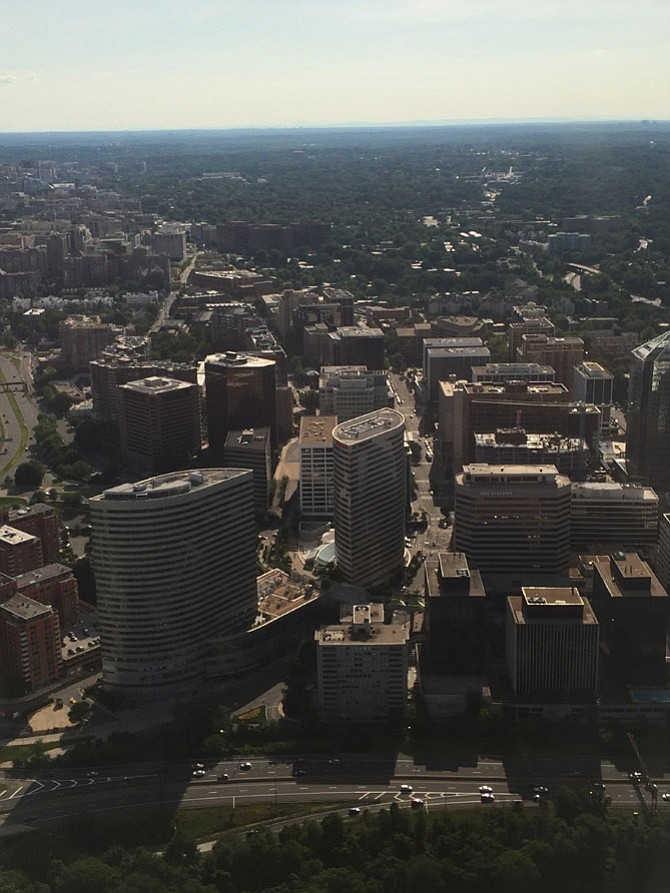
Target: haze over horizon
x=219 y=64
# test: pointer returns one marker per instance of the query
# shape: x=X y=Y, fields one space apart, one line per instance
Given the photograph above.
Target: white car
x=487 y=798
x=666 y=797
x=406 y=788
x=486 y=789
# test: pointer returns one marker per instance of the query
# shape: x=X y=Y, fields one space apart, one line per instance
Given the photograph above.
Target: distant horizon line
x=264 y=128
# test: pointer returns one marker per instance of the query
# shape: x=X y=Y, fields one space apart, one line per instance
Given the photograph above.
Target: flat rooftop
x=480 y=472
x=486 y=389
x=367 y=426
x=613 y=492
x=317 y=430
x=626 y=575
x=357 y=332
x=377 y=634
x=512 y=369
x=42 y=574
x=10 y=536
x=555 y=605
x=23 y=608
x=248 y=438
x=40 y=508
x=451 y=576
x=232 y=360
x=156 y=384
x=165 y=486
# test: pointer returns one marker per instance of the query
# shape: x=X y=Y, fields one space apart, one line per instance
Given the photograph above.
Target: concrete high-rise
x=240 y=392
x=648 y=429
x=592 y=383
x=175 y=566
x=317 y=476
x=371 y=472
x=513 y=519
x=350 y=391
x=362 y=666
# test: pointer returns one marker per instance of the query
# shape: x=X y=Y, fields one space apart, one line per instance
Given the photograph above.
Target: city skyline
x=224 y=65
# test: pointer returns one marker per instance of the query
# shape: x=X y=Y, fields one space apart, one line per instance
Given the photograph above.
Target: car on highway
x=665 y=797
x=406 y=788
x=486 y=789
x=244 y=767
x=417 y=803
x=354 y=810
x=223 y=777
x=635 y=776
x=487 y=798
x=199 y=773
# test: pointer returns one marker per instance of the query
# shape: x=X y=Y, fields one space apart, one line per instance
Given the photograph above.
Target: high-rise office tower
x=316 y=467
x=362 y=665
x=175 y=567
x=633 y=608
x=240 y=392
x=159 y=423
x=370 y=496
x=513 y=519
x=648 y=430
x=592 y=383
x=552 y=644
x=250 y=448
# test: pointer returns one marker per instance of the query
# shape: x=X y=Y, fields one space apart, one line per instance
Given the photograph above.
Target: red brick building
x=40 y=520
x=53 y=585
x=30 y=646
x=19 y=552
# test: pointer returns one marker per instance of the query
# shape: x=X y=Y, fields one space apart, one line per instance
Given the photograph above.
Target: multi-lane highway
x=353 y=781
x=16 y=411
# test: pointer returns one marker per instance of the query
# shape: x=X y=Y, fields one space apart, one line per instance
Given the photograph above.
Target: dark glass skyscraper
x=648 y=435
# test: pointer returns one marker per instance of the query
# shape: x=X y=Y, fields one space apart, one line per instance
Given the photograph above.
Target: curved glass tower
x=175 y=567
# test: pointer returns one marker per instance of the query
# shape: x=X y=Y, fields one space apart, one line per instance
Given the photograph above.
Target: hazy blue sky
x=135 y=64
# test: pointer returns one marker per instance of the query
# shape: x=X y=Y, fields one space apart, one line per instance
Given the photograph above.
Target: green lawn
x=203 y=824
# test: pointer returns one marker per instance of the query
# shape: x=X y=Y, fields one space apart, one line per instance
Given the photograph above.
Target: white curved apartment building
x=175 y=566
x=370 y=474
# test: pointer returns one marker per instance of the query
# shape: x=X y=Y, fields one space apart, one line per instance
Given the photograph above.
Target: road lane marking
x=366 y=794
x=37 y=790
x=2 y=794
x=16 y=792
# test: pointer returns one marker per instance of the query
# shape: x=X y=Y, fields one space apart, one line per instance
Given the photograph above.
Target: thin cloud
x=7 y=78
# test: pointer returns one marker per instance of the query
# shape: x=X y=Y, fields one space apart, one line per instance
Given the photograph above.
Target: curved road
x=23 y=401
